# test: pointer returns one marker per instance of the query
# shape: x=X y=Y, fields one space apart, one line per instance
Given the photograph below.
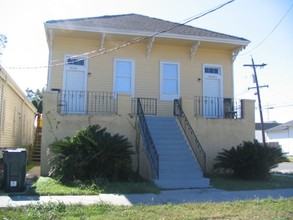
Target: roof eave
x=239 y=42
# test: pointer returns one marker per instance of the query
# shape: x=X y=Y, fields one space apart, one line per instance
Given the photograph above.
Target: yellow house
x=137 y=75
x=17 y=114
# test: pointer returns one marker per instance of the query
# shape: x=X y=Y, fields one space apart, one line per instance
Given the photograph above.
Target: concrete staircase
x=178 y=167
x=36 y=156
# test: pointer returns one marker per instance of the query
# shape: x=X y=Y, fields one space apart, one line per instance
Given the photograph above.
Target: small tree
x=91 y=153
x=3 y=42
x=249 y=160
x=36 y=98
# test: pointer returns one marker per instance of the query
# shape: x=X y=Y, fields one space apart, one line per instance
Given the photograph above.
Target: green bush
x=92 y=153
x=249 y=160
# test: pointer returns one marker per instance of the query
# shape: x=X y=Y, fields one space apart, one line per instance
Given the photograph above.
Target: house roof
x=5 y=77
x=143 y=25
x=267 y=125
x=281 y=127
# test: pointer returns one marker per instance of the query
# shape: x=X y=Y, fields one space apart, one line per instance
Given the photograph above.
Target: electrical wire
x=269 y=33
x=133 y=41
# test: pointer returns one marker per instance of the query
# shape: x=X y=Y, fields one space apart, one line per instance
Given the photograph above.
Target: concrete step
x=183 y=183
x=178 y=166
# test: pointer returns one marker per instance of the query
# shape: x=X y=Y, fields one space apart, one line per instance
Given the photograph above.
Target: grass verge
x=250 y=209
x=49 y=186
x=231 y=184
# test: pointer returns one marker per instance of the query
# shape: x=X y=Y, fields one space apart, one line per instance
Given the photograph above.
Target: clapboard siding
x=147 y=70
x=17 y=114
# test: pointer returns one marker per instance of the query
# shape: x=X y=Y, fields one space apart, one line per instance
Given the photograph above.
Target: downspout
x=21 y=119
x=50 y=60
x=2 y=108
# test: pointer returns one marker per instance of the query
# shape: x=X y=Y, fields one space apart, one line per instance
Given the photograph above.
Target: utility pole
x=258 y=96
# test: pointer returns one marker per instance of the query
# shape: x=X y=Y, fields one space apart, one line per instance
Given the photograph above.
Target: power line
x=270 y=32
x=279 y=105
x=133 y=41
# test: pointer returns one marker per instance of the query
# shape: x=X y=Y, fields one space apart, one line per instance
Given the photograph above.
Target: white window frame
x=213 y=66
x=164 y=96
x=132 y=74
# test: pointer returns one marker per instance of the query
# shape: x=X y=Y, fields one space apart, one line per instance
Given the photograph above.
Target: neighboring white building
x=267 y=126
x=284 y=135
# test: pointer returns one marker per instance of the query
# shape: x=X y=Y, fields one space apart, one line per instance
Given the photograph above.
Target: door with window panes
x=212 y=91
x=74 y=93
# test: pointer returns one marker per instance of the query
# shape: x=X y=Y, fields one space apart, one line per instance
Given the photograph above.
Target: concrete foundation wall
x=216 y=134
x=213 y=134
x=57 y=127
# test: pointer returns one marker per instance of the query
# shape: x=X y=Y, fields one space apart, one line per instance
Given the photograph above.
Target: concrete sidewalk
x=168 y=196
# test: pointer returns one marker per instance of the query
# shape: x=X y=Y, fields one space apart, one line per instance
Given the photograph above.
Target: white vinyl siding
x=124 y=76
x=170 y=81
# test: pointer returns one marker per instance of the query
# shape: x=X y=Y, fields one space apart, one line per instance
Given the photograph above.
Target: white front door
x=212 y=92
x=74 y=85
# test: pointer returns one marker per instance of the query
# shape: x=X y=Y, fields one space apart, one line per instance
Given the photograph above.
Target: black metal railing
x=149 y=106
x=86 y=102
x=189 y=133
x=148 y=141
x=217 y=107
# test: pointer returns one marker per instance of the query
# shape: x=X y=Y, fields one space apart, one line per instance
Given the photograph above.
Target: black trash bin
x=14 y=162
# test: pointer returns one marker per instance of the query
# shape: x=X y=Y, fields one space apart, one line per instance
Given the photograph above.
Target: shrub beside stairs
x=179 y=168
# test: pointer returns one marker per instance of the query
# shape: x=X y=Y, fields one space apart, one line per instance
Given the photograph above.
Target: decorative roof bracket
x=150 y=46
x=193 y=49
x=102 y=42
x=236 y=52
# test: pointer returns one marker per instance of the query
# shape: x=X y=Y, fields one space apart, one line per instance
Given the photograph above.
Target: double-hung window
x=124 y=76
x=170 y=81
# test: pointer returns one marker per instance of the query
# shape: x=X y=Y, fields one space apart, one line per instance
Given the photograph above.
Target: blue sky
x=256 y=20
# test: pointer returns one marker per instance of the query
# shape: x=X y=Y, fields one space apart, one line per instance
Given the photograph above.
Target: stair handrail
x=151 y=150
x=190 y=134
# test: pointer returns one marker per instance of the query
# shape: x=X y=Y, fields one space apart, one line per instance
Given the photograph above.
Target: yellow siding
x=17 y=115
x=147 y=70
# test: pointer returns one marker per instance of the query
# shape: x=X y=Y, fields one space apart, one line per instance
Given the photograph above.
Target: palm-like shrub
x=249 y=160
x=90 y=154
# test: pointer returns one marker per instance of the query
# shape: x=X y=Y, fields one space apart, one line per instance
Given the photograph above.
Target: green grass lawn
x=49 y=186
x=250 y=209
x=275 y=182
